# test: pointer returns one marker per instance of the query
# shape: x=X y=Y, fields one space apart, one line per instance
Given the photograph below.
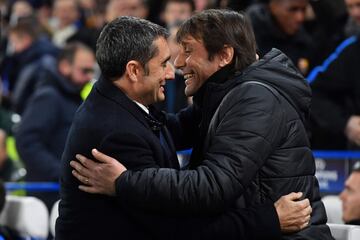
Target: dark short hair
x=26 y=26
x=69 y=50
x=216 y=28
x=125 y=39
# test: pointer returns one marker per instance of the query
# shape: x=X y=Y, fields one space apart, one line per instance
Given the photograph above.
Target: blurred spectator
x=6 y=122
x=176 y=11
x=67 y=26
x=350 y=197
x=45 y=123
x=135 y=8
x=66 y=16
x=3 y=6
x=336 y=99
x=353 y=24
x=92 y=13
x=30 y=52
x=204 y=4
x=279 y=24
x=8 y=119
x=19 y=10
x=9 y=170
x=326 y=24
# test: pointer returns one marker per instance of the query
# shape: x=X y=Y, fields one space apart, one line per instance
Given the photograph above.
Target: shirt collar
x=143 y=107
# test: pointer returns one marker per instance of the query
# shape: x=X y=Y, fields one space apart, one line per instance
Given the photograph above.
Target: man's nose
x=300 y=16
x=169 y=71
x=342 y=195
x=179 y=61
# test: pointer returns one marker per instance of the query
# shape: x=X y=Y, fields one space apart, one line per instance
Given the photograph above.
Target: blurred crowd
x=47 y=65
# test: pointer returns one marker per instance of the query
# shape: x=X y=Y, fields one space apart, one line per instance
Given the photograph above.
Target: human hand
x=98 y=177
x=294 y=215
x=352 y=130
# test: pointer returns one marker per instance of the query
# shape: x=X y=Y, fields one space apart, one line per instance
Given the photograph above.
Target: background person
x=350 y=197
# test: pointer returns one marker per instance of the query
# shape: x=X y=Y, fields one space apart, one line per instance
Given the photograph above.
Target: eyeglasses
x=87 y=70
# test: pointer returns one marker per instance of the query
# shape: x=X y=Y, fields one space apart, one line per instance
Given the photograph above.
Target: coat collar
x=109 y=90
x=215 y=88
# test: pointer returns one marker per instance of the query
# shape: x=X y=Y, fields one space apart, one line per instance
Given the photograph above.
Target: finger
x=88 y=189
x=86 y=162
x=294 y=196
x=308 y=210
x=304 y=225
x=80 y=168
x=101 y=157
x=81 y=178
x=303 y=204
x=290 y=229
x=307 y=219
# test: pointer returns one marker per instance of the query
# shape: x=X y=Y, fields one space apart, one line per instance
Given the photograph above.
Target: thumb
x=101 y=157
x=295 y=196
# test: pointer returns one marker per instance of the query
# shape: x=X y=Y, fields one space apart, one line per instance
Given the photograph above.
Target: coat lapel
x=109 y=90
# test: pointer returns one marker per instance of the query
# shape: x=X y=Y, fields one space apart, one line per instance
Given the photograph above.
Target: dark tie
x=158 y=128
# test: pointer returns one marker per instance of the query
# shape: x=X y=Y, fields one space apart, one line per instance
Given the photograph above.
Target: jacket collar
x=215 y=87
x=52 y=77
x=109 y=90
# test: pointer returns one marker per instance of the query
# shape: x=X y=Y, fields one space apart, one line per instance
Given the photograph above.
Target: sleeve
x=256 y=222
x=332 y=88
x=130 y=149
x=37 y=125
x=244 y=136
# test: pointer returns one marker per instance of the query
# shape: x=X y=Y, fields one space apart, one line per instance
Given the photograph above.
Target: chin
x=161 y=98
x=188 y=92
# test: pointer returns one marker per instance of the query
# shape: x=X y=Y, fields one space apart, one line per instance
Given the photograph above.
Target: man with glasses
x=46 y=121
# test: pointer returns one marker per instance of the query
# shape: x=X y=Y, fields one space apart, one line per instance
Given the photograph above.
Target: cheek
x=75 y=75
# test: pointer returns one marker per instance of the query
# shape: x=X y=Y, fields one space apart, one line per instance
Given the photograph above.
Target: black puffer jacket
x=255 y=148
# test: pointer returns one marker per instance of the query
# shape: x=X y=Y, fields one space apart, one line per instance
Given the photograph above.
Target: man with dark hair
x=279 y=24
x=68 y=27
x=134 y=8
x=246 y=128
x=353 y=24
x=31 y=53
x=118 y=119
x=335 y=85
x=176 y=10
x=350 y=197
x=46 y=121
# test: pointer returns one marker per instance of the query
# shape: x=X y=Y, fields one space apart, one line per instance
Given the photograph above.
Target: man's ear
x=64 y=67
x=226 y=55
x=133 y=70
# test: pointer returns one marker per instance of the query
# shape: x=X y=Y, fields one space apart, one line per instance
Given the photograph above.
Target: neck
x=126 y=87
